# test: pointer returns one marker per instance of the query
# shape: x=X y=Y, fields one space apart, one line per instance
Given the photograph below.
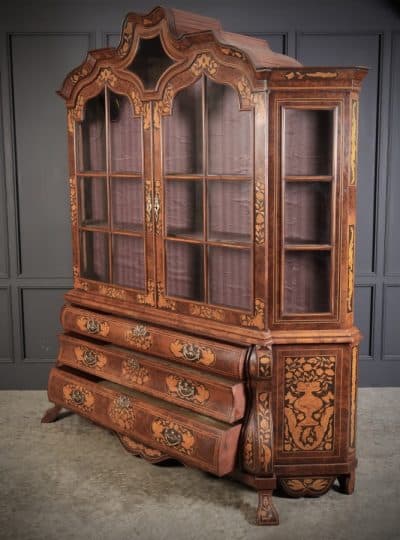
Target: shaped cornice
x=184 y=35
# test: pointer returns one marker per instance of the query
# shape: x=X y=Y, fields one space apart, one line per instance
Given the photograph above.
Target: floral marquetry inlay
x=163 y=106
x=260 y=213
x=173 y=435
x=73 y=201
x=206 y=312
x=299 y=75
x=134 y=372
x=354 y=360
x=350 y=272
x=162 y=300
x=204 y=62
x=354 y=142
x=256 y=320
x=112 y=292
x=126 y=40
x=265 y=430
x=149 y=298
x=140 y=337
x=309 y=403
x=137 y=103
x=122 y=413
x=306 y=487
x=106 y=76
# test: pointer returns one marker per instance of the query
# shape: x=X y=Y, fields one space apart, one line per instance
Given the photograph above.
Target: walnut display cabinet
x=212 y=186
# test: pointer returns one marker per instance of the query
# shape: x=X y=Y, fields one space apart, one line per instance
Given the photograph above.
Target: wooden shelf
x=308 y=178
x=307 y=247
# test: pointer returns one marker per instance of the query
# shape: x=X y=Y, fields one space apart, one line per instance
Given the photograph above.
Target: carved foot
x=141 y=450
x=306 y=487
x=51 y=414
x=347 y=482
x=266 y=511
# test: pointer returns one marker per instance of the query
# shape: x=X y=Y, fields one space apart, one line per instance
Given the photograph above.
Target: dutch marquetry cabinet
x=212 y=187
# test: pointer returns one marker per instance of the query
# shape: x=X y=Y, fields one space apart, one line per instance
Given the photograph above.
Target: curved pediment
x=181 y=35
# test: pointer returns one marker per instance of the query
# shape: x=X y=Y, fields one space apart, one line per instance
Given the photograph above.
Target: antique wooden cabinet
x=213 y=188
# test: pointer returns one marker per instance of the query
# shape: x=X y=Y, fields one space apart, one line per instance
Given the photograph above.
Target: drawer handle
x=191 y=352
x=186 y=389
x=93 y=326
x=172 y=437
x=77 y=396
x=90 y=358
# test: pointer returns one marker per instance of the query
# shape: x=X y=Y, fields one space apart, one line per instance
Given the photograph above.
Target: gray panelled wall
x=42 y=41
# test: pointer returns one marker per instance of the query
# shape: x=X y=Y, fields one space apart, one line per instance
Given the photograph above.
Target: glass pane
x=127 y=203
x=307 y=212
x=128 y=261
x=91 y=137
x=307 y=282
x=125 y=136
x=94 y=256
x=150 y=62
x=93 y=201
x=184 y=208
x=230 y=132
x=185 y=274
x=229 y=211
x=308 y=142
x=230 y=277
x=182 y=133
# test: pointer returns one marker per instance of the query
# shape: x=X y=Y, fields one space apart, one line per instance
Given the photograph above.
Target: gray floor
x=73 y=480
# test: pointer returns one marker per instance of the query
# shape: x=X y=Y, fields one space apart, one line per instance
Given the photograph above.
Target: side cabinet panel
x=311 y=403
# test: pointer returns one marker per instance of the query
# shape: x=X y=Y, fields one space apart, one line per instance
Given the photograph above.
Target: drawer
x=204 y=354
x=184 y=435
x=208 y=394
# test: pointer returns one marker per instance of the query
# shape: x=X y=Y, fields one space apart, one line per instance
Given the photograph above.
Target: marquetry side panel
x=313 y=389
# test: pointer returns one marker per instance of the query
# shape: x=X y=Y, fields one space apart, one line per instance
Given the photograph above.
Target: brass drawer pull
x=185 y=389
x=78 y=397
x=191 y=352
x=90 y=358
x=93 y=326
x=172 y=437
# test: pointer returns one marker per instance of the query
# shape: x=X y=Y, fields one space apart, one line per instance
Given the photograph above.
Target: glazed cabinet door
x=206 y=184
x=308 y=214
x=113 y=227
